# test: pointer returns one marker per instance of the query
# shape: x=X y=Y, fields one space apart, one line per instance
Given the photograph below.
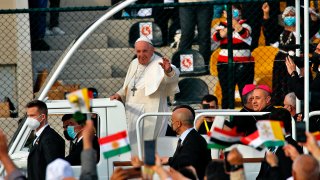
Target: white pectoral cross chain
x=136 y=79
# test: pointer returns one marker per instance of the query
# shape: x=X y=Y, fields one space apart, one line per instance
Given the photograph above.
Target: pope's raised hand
x=165 y=64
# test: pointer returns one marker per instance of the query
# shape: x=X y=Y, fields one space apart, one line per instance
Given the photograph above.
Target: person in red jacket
x=242 y=59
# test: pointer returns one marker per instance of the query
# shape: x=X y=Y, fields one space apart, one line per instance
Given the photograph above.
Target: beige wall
x=77 y=3
x=13 y=4
x=20 y=4
x=16 y=50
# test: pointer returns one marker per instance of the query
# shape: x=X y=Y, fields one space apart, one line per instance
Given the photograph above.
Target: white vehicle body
x=112 y=119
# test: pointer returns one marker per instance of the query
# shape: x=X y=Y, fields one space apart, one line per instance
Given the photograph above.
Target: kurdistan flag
x=114 y=144
x=271 y=132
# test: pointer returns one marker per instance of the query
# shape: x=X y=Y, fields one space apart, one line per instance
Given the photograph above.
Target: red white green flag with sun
x=114 y=144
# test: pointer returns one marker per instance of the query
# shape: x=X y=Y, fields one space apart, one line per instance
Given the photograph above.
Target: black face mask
x=66 y=135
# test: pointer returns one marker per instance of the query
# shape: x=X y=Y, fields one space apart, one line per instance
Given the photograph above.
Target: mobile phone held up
x=227 y=165
x=149 y=152
x=301 y=132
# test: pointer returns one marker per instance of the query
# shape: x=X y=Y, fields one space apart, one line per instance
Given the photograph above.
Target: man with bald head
x=149 y=81
x=305 y=167
x=192 y=147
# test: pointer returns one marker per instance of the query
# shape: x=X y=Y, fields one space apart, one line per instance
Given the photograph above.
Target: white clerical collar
x=184 y=134
x=146 y=65
x=151 y=59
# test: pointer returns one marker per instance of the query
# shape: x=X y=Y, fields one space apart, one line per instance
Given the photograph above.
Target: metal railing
x=228 y=113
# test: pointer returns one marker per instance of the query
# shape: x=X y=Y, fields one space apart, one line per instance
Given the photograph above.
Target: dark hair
x=42 y=107
x=237 y=6
x=210 y=98
x=66 y=117
x=94 y=91
x=282 y=114
x=187 y=107
x=81 y=121
x=215 y=171
x=245 y=98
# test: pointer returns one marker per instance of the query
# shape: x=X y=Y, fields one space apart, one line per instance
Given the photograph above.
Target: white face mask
x=32 y=123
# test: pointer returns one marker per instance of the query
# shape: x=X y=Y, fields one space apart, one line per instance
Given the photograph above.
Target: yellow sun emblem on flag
x=115 y=145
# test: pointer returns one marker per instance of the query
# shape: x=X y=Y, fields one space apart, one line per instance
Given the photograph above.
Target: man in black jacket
x=192 y=147
x=73 y=131
x=296 y=83
x=47 y=146
x=255 y=99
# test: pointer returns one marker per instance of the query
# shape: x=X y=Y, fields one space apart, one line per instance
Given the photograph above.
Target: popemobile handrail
x=314 y=113
x=218 y=112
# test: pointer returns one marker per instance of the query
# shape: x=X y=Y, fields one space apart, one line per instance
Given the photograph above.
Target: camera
x=300 y=132
x=299 y=61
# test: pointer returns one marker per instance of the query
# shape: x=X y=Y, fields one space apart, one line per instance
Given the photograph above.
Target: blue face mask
x=289 y=20
x=235 y=13
x=71 y=132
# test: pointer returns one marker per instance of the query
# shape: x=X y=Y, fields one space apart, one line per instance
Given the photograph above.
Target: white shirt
x=38 y=133
x=185 y=134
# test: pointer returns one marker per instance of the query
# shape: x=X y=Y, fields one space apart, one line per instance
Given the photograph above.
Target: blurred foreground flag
x=114 y=144
x=80 y=100
x=271 y=133
x=317 y=137
x=253 y=140
x=221 y=139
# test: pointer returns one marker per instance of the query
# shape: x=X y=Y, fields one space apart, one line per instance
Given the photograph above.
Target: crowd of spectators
x=192 y=157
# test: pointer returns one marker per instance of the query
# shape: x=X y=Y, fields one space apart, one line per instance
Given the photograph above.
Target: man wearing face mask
x=283 y=38
x=72 y=131
x=244 y=62
x=47 y=144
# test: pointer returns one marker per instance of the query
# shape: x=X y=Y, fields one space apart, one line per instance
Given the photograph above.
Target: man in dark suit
x=73 y=131
x=254 y=99
x=192 y=147
x=285 y=163
x=47 y=145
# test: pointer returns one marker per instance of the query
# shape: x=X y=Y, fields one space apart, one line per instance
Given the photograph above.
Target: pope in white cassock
x=149 y=80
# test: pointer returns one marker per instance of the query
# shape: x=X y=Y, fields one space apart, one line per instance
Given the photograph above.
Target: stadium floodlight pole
x=298 y=42
x=306 y=64
x=78 y=41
